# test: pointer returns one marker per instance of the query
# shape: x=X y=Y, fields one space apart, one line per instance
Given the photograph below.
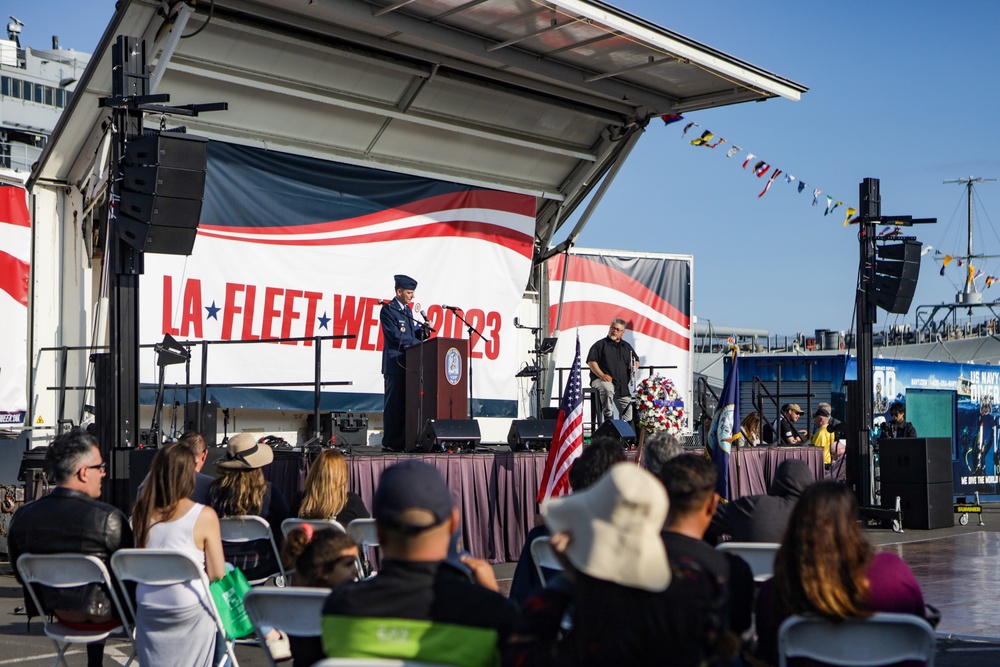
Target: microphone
x=453 y=309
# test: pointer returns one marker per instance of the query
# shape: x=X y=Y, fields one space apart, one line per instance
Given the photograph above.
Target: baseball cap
x=821 y=412
x=411 y=485
x=794 y=407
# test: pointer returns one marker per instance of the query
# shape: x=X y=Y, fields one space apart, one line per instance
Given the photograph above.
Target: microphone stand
x=471 y=329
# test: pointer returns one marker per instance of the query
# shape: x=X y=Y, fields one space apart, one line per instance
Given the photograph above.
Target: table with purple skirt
x=495 y=491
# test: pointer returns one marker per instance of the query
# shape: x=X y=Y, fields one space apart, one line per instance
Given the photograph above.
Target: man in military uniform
x=399 y=331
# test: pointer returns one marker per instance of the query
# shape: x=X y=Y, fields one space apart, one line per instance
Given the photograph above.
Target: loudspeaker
x=549 y=413
x=897 y=267
x=924 y=506
x=616 y=428
x=439 y=435
x=207 y=424
x=131 y=467
x=340 y=429
x=528 y=434
x=915 y=460
x=163 y=187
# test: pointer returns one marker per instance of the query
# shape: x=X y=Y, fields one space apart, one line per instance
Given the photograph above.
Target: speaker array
x=897 y=267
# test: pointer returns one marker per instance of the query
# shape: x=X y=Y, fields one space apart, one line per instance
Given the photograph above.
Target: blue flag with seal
x=725 y=429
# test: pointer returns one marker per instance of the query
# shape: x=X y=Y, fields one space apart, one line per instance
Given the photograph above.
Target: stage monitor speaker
x=440 y=435
x=340 y=429
x=163 y=187
x=924 y=506
x=207 y=424
x=915 y=460
x=528 y=434
x=616 y=428
x=897 y=267
x=549 y=413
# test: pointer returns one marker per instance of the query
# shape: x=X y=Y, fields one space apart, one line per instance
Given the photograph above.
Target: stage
x=496 y=490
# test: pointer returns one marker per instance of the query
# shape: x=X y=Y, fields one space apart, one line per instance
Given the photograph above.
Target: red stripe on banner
x=484 y=199
x=583 y=269
x=587 y=313
x=499 y=235
x=14 y=277
x=14 y=206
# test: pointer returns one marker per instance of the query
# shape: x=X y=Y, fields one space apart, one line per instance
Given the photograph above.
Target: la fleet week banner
x=651 y=292
x=292 y=246
x=15 y=256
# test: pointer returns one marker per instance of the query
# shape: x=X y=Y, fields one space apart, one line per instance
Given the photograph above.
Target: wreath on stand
x=659 y=405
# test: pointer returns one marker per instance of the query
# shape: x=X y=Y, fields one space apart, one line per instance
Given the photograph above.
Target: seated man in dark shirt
x=418 y=607
x=690 y=483
x=785 y=425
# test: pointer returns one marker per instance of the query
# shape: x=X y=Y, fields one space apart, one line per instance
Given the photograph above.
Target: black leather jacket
x=68 y=521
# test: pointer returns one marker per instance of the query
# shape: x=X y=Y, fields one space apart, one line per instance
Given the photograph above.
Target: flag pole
x=737 y=434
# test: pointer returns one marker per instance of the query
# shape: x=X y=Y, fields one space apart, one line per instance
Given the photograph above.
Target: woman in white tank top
x=174 y=624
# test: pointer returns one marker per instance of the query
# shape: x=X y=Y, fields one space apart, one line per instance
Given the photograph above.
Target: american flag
x=567 y=440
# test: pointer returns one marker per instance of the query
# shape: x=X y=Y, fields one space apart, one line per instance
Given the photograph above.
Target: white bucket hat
x=615 y=528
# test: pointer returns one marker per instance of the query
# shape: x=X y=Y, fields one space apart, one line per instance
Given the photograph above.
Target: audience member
x=690 y=483
x=763 y=518
x=173 y=625
x=418 y=607
x=784 y=426
x=325 y=495
x=240 y=490
x=822 y=436
x=750 y=428
x=898 y=427
x=202 y=482
x=628 y=605
x=71 y=519
x=827 y=566
x=596 y=459
x=658 y=449
x=324 y=558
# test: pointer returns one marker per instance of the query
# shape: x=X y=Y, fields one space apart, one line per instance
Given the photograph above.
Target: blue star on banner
x=323 y=321
x=213 y=311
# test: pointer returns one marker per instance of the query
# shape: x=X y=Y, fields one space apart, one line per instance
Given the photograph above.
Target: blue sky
x=905 y=92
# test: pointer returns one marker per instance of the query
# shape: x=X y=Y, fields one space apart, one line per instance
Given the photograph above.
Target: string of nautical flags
x=970 y=268
x=761 y=168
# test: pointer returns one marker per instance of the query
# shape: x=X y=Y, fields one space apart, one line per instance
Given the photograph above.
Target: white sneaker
x=279 y=648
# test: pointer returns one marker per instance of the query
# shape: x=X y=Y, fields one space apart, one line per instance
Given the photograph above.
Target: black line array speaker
x=439 y=435
x=616 y=428
x=528 y=434
x=919 y=472
x=340 y=429
x=206 y=424
x=897 y=267
x=162 y=192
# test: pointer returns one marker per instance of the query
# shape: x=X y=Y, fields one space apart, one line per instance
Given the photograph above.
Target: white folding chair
x=544 y=557
x=882 y=639
x=758 y=555
x=295 y=610
x=161 y=567
x=373 y=662
x=317 y=524
x=364 y=533
x=69 y=570
x=242 y=529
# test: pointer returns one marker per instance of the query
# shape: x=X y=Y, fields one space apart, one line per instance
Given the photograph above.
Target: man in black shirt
x=612 y=363
x=785 y=425
x=898 y=427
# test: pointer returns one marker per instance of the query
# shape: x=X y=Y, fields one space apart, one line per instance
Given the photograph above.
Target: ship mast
x=970 y=295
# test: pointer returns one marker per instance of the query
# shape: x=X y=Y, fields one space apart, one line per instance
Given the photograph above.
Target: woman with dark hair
x=826 y=566
x=321 y=559
x=173 y=623
x=325 y=495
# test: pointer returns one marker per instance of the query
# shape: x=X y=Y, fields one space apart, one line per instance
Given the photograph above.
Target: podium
x=446 y=384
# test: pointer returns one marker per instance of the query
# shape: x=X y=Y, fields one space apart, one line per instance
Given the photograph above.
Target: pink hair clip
x=308 y=530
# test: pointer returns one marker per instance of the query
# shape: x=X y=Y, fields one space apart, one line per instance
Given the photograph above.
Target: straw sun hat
x=614 y=528
x=244 y=452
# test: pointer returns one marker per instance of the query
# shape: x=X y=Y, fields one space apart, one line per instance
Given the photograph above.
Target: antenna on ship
x=969 y=294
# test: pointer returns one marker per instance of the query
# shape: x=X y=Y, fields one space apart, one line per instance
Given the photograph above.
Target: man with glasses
x=613 y=363
x=70 y=519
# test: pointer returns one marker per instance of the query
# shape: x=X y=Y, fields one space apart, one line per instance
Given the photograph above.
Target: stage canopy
x=541 y=98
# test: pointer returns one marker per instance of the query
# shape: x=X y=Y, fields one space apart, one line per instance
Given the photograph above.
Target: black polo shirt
x=616 y=359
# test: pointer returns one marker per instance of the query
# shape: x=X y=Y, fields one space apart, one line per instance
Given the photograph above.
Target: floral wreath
x=660 y=406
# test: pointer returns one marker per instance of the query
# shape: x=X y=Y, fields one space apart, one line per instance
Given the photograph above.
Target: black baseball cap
x=411 y=485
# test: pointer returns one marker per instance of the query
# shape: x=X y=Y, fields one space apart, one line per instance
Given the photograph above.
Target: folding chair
x=364 y=533
x=544 y=557
x=161 y=567
x=758 y=555
x=317 y=524
x=69 y=570
x=373 y=662
x=248 y=528
x=295 y=610
x=882 y=639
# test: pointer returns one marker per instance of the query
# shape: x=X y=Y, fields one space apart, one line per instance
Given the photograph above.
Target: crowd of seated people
x=640 y=582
